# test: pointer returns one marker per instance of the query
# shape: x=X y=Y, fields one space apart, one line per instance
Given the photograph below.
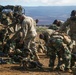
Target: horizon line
x=50 y=6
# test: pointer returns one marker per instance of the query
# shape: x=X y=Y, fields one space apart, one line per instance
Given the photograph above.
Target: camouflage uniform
x=18 y=9
x=47 y=34
x=56 y=24
x=4 y=19
x=59 y=47
x=50 y=50
x=29 y=33
x=70 y=26
x=6 y=47
x=19 y=43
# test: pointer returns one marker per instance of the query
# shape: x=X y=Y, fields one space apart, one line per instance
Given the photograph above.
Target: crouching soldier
x=56 y=46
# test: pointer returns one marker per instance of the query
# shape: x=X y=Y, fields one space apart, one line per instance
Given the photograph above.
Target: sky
x=39 y=2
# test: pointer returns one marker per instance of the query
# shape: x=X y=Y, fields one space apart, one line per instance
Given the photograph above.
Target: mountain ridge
x=47 y=14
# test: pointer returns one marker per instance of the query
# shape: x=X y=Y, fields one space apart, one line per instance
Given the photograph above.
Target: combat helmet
x=73 y=13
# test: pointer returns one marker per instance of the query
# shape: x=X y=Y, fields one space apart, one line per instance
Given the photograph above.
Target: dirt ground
x=16 y=69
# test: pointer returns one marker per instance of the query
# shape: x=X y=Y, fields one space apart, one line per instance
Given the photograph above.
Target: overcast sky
x=39 y=2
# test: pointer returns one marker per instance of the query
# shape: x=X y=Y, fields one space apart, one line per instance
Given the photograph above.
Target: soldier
x=46 y=35
x=56 y=24
x=70 y=26
x=28 y=28
x=18 y=9
x=4 y=19
x=57 y=46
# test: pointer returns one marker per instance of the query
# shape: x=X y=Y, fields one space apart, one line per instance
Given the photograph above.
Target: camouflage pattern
x=19 y=43
x=47 y=34
x=57 y=46
x=18 y=9
x=54 y=26
x=70 y=28
x=7 y=45
x=71 y=25
x=29 y=33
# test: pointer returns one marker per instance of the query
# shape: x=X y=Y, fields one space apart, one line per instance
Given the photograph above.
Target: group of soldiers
x=21 y=45
x=60 y=40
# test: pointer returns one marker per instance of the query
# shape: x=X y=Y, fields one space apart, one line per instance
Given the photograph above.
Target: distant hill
x=47 y=14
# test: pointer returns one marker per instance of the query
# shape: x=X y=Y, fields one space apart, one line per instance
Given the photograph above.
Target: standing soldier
x=28 y=30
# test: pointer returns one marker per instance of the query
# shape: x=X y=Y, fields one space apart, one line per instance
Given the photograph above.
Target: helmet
x=73 y=13
x=55 y=21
